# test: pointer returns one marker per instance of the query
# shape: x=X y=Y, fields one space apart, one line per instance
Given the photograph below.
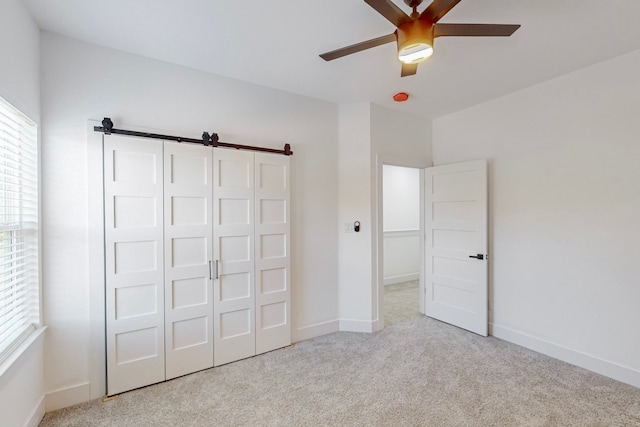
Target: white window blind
x=19 y=283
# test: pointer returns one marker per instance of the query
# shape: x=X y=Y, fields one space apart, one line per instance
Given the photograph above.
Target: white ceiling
x=276 y=43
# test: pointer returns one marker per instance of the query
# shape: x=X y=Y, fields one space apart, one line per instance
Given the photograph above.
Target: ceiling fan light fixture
x=415 y=53
x=415 y=41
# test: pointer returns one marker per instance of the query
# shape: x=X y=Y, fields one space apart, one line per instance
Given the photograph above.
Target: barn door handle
x=210 y=278
x=479 y=256
x=217 y=276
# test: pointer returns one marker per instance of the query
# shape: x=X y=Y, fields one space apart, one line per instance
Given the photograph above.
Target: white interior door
x=234 y=297
x=272 y=255
x=456 y=265
x=188 y=234
x=134 y=270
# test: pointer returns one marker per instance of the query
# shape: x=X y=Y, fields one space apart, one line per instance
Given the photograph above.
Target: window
x=19 y=278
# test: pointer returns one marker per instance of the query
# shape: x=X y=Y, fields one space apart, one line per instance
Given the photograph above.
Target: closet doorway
x=402 y=233
x=197 y=258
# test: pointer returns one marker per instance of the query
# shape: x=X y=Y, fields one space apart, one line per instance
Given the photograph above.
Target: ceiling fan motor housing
x=413 y=36
x=412 y=3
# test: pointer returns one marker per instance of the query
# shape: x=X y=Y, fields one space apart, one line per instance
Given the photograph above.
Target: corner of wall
x=68 y=396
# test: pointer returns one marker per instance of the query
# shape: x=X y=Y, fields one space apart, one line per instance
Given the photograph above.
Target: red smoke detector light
x=401 y=96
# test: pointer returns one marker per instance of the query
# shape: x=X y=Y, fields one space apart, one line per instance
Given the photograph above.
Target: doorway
x=402 y=249
x=453 y=236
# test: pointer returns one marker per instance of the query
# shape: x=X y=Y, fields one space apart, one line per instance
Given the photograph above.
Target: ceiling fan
x=414 y=34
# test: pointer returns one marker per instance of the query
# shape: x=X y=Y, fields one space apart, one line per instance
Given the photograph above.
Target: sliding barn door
x=456 y=265
x=134 y=267
x=273 y=293
x=197 y=258
x=233 y=237
x=188 y=235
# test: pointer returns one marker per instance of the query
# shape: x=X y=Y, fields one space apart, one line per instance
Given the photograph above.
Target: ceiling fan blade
x=390 y=11
x=437 y=9
x=338 y=53
x=408 y=69
x=474 y=30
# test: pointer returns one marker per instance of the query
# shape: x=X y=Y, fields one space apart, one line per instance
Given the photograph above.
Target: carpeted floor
x=401 y=303
x=416 y=372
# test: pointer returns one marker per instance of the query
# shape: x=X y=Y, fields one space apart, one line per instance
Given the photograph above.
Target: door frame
x=378 y=241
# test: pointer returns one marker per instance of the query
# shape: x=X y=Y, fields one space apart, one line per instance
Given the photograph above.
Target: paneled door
x=134 y=268
x=456 y=265
x=233 y=237
x=272 y=254
x=188 y=235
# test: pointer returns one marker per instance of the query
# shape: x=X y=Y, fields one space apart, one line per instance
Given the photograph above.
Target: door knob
x=479 y=256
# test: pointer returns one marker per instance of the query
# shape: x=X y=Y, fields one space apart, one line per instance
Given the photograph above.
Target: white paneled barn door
x=188 y=234
x=197 y=258
x=233 y=237
x=273 y=294
x=134 y=270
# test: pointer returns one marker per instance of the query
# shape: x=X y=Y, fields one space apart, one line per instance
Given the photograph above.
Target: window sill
x=19 y=352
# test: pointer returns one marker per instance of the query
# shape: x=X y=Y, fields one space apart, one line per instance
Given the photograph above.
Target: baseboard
x=36 y=415
x=332 y=326
x=349 y=325
x=317 y=330
x=68 y=396
x=401 y=278
x=595 y=364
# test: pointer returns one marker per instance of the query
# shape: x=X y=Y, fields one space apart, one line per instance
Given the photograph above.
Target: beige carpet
x=401 y=303
x=416 y=372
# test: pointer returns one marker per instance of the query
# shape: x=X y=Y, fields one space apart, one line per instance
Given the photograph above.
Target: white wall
x=355 y=201
x=22 y=386
x=401 y=204
x=370 y=136
x=20 y=53
x=564 y=212
x=401 y=219
x=401 y=256
x=82 y=82
x=21 y=383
